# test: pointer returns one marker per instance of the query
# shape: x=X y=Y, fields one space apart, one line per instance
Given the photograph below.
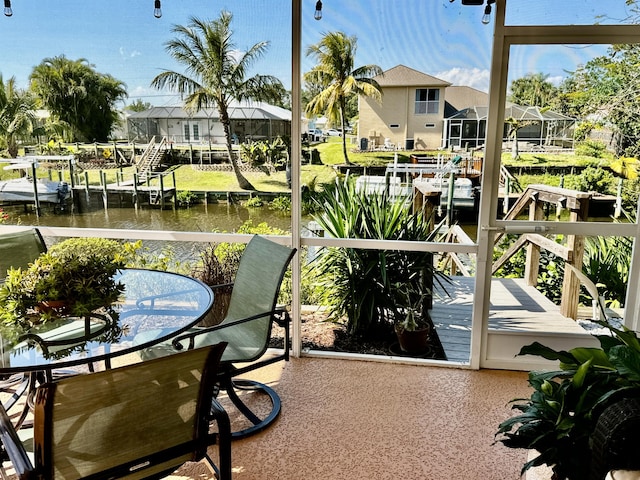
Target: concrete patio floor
x=356 y=420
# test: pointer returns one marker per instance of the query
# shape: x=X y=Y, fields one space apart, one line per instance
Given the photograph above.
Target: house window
x=427 y=100
x=186 y=132
x=196 y=132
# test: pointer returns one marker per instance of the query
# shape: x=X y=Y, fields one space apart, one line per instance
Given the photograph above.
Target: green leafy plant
x=560 y=416
x=359 y=283
x=75 y=277
x=411 y=312
x=186 y=198
x=281 y=204
x=254 y=202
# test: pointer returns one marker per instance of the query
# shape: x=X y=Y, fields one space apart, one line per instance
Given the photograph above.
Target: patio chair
x=19 y=246
x=246 y=328
x=138 y=421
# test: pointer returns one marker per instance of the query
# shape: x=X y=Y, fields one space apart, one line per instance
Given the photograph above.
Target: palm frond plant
x=359 y=283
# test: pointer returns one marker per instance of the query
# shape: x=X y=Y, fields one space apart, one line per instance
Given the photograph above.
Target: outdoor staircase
x=151 y=158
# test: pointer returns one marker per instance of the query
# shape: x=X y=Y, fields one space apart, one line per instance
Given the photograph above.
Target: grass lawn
x=188 y=178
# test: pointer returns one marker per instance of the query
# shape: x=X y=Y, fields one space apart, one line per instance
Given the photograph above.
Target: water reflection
x=198 y=218
x=220 y=217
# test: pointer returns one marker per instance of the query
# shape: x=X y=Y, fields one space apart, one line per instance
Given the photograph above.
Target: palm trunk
x=243 y=183
x=344 y=134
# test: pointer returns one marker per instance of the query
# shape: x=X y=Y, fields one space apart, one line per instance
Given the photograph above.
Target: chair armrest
x=276 y=314
x=13 y=447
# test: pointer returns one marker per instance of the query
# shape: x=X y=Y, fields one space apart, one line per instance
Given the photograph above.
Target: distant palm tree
x=17 y=115
x=215 y=73
x=335 y=54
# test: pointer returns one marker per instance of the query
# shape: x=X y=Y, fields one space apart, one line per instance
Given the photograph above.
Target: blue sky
x=443 y=39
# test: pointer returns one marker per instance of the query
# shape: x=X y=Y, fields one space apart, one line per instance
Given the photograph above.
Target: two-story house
x=411 y=114
x=422 y=112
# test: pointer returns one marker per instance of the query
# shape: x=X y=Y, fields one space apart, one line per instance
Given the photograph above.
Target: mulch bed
x=323 y=335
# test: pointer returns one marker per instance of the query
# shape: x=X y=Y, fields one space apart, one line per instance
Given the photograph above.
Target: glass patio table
x=164 y=302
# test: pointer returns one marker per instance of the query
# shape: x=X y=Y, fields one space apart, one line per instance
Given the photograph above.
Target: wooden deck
x=519 y=314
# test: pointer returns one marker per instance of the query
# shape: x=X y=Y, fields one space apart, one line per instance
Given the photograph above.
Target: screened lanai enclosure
x=535 y=126
x=249 y=121
x=485 y=316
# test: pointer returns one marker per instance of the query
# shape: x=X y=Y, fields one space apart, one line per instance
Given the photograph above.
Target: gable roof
x=460 y=97
x=401 y=76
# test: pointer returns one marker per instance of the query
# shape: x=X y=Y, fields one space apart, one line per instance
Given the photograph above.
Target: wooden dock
x=519 y=315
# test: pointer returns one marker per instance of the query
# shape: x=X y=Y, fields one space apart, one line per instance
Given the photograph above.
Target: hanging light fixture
x=486 y=18
x=7 y=8
x=318 y=13
x=157 y=9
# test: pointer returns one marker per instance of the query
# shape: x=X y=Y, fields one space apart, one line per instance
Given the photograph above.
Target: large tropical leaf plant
x=560 y=416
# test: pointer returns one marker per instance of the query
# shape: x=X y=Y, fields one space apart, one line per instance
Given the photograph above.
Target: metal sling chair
x=19 y=246
x=246 y=328
x=138 y=421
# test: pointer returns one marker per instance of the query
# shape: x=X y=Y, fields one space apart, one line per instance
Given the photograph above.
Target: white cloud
x=126 y=54
x=469 y=77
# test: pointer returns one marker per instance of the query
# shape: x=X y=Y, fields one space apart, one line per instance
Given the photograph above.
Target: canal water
x=220 y=217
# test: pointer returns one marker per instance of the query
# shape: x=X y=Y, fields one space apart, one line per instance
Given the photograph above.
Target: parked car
x=316 y=135
x=332 y=132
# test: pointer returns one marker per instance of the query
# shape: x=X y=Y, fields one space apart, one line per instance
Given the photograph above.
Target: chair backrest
x=255 y=291
x=19 y=246
x=129 y=422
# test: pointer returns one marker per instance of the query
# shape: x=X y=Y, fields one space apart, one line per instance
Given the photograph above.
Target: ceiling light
x=7 y=8
x=318 y=13
x=157 y=10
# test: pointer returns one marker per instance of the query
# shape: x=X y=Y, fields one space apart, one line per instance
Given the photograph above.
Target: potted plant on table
x=559 y=419
x=74 y=278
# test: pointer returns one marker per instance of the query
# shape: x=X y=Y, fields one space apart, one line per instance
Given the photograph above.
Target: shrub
x=359 y=283
x=186 y=198
x=254 y=202
x=591 y=148
x=594 y=179
x=281 y=204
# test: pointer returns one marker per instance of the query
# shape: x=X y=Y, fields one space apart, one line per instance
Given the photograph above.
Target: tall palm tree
x=335 y=55
x=17 y=115
x=215 y=73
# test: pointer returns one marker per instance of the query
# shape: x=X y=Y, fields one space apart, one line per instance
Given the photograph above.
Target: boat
x=24 y=189
x=431 y=177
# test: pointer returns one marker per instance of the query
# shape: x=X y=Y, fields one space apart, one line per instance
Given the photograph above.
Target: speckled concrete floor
x=356 y=420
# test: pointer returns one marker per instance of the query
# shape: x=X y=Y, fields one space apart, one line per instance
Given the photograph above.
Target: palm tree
x=215 y=73
x=17 y=115
x=335 y=55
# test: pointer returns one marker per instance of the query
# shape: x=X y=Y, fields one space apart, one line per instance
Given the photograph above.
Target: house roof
x=458 y=97
x=237 y=111
x=401 y=76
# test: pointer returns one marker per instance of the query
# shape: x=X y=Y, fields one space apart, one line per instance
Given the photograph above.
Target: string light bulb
x=157 y=9
x=318 y=13
x=7 y=8
x=486 y=18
